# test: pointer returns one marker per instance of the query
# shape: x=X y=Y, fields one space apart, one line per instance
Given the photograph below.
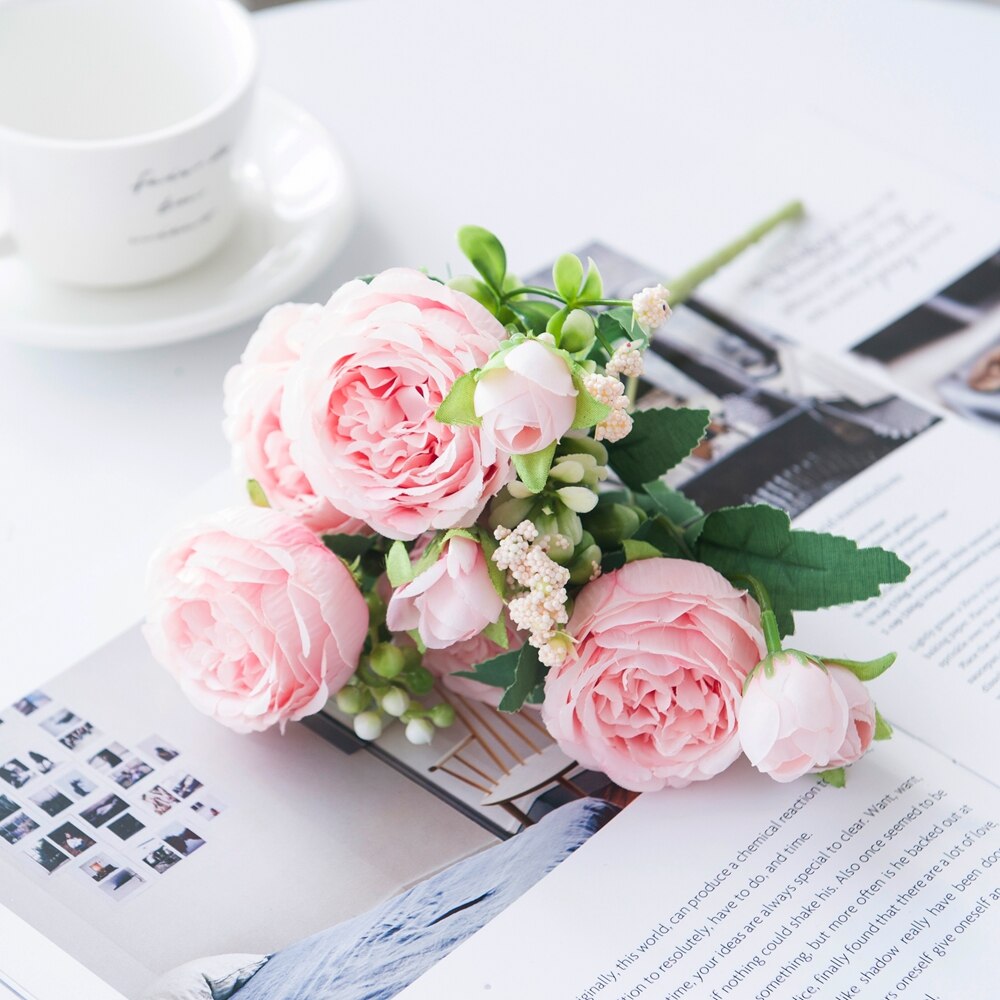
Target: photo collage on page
x=76 y=803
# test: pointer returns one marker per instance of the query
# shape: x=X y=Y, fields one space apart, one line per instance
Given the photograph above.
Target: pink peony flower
x=451 y=601
x=651 y=695
x=255 y=618
x=861 y=722
x=445 y=663
x=795 y=717
x=529 y=402
x=359 y=405
x=261 y=449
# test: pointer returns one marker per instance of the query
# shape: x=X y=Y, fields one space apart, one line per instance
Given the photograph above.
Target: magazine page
x=893 y=262
x=743 y=887
x=137 y=834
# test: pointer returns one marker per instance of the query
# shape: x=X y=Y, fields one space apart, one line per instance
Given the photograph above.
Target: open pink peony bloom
x=861 y=721
x=261 y=449
x=459 y=656
x=651 y=696
x=359 y=405
x=451 y=601
x=255 y=618
x=794 y=717
x=529 y=402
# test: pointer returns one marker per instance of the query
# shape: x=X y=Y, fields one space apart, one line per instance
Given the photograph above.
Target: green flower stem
x=768 y=620
x=547 y=293
x=684 y=284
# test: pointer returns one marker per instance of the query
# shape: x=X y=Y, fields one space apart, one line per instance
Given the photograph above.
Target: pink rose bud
x=451 y=601
x=861 y=726
x=257 y=620
x=795 y=717
x=651 y=693
x=261 y=449
x=527 y=403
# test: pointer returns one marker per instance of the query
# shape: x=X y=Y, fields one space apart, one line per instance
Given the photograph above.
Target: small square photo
x=71 y=839
x=56 y=724
x=122 y=884
x=32 y=702
x=108 y=758
x=126 y=826
x=182 y=787
x=79 y=736
x=161 y=859
x=15 y=772
x=99 y=867
x=101 y=811
x=76 y=784
x=51 y=800
x=7 y=807
x=18 y=828
x=131 y=773
x=206 y=807
x=40 y=762
x=49 y=857
x=156 y=748
x=159 y=800
x=182 y=839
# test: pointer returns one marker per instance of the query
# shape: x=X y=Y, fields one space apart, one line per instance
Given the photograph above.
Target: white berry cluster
x=608 y=389
x=651 y=307
x=627 y=360
x=541 y=609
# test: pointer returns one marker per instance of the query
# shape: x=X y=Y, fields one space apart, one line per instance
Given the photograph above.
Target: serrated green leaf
x=864 y=670
x=497 y=632
x=533 y=469
x=593 y=283
x=256 y=493
x=589 y=411
x=802 y=570
x=497 y=576
x=485 y=253
x=349 y=546
x=537 y=695
x=567 y=275
x=398 y=567
x=458 y=406
x=661 y=532
x=636 y=549
x=883 y=731
x=659 y=439
x=533 y=313
x=672 y=503
x=836 y=776
x=528 y=674
x=496 y=672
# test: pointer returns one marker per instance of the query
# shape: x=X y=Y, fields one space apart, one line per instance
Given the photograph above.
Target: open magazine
x=137 y=835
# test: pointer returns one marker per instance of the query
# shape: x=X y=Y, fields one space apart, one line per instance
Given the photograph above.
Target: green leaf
x=593 y=284
x=883 y=731
x=537 y=695
x=498 y=671
x=398 y=567
x=836 y=776
x=659 y=439
x=635 y=549
x=256 y=493
x=661 y=532
x=497 y=632
x=533 y=469
x=485 y=253
x=349 y=547
x=588 y=410
x=497 y=576
x=567 y=275
x=802 y=570
x=528 y=674
x=864 y=670
x=533 y=313
x=672 y=503
x=458 y=407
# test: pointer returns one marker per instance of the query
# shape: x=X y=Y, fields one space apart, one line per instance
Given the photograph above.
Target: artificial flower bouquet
x=452 y=491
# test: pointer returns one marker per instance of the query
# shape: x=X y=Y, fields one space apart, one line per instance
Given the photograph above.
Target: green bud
x=555 y=322
x=567 y=275
x=395 y=702
x=419 y=680
x=352 y=699
x=560 y=549
x=420 y=732
x=578 y=498
x=566 y=470
x=376 y=608
x=570 y=524
x=412 y=658
x=578 y=332
x=368 y=725
x=571 y=444
x=387 y=660
x=475 y=289
x=519 y=491
x=442 y=715
x=510 y=513
x=582 y=568
x=611 y=524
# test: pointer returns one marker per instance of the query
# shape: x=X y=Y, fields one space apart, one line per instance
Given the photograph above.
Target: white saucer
x=299 y=210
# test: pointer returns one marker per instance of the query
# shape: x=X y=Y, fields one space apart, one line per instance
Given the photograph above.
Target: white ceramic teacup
x=120 y=133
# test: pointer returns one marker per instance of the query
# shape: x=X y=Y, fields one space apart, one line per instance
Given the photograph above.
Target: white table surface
x=552 y=122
